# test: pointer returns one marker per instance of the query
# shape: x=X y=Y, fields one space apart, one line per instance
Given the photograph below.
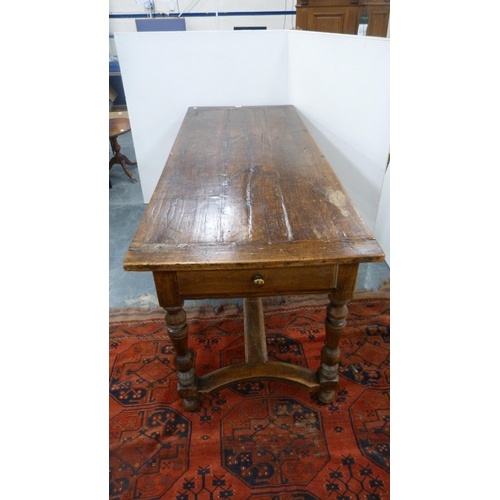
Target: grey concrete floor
x=126 y=208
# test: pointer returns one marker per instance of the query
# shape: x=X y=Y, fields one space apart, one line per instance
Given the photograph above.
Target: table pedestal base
x=324 y=381
x=256 y=364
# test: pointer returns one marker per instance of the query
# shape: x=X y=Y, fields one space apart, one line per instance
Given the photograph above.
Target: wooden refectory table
x=247 y=206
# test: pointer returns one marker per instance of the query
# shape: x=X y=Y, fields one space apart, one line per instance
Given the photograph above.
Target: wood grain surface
x=248 y=187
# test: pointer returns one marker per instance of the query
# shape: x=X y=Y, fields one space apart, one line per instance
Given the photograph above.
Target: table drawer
x=256 y=282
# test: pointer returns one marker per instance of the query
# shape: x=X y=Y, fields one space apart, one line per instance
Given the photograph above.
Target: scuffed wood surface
x=247 y=186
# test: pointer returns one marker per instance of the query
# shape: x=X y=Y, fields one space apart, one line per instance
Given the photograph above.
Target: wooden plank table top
x=247 y=206
x=247 y=186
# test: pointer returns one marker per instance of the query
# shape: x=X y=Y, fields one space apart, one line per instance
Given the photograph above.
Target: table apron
x=256 y=282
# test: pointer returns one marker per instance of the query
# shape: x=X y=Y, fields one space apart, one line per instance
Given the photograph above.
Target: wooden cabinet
x=343 y=16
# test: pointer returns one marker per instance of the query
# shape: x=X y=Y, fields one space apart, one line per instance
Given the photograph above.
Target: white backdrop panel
x=382 y=226
x=340 y=86
x=165 y=73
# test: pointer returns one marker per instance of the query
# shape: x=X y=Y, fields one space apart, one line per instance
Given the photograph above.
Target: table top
x=248 y=187
x=118 y=126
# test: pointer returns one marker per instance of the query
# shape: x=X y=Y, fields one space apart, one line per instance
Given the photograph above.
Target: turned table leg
x=170 y=299
x=336 y=314
x=184 y=357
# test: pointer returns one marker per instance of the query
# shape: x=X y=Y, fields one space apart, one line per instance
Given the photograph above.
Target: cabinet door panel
x=378 y=22
x=342 y=16
x=333 y=20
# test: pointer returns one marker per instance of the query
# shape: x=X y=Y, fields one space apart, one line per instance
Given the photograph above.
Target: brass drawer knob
x=258 y=280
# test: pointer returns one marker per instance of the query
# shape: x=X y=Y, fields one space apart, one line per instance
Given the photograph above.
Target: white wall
x=339 y=84
x=382 y=230
x=165 y=73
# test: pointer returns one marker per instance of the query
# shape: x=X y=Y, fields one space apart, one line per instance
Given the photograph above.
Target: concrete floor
x=126 y=208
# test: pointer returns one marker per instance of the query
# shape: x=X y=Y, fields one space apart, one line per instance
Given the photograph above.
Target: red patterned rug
x=251 y=441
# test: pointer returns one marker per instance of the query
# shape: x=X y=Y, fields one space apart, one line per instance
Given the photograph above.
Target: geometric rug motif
x=296 y=495
x=149 y=452
x=370 y=423
x=259 y=440
x=280 y=442
x=144 y=373
x=365 y=355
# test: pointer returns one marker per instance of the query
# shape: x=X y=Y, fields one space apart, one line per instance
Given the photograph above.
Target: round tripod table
x=119 y=126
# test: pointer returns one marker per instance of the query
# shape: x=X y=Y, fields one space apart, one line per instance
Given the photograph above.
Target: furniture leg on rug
x=248 y=207
x=324 y=381
x=261 y=439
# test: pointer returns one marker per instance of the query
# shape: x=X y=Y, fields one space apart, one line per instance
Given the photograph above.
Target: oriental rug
x=260 y=440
